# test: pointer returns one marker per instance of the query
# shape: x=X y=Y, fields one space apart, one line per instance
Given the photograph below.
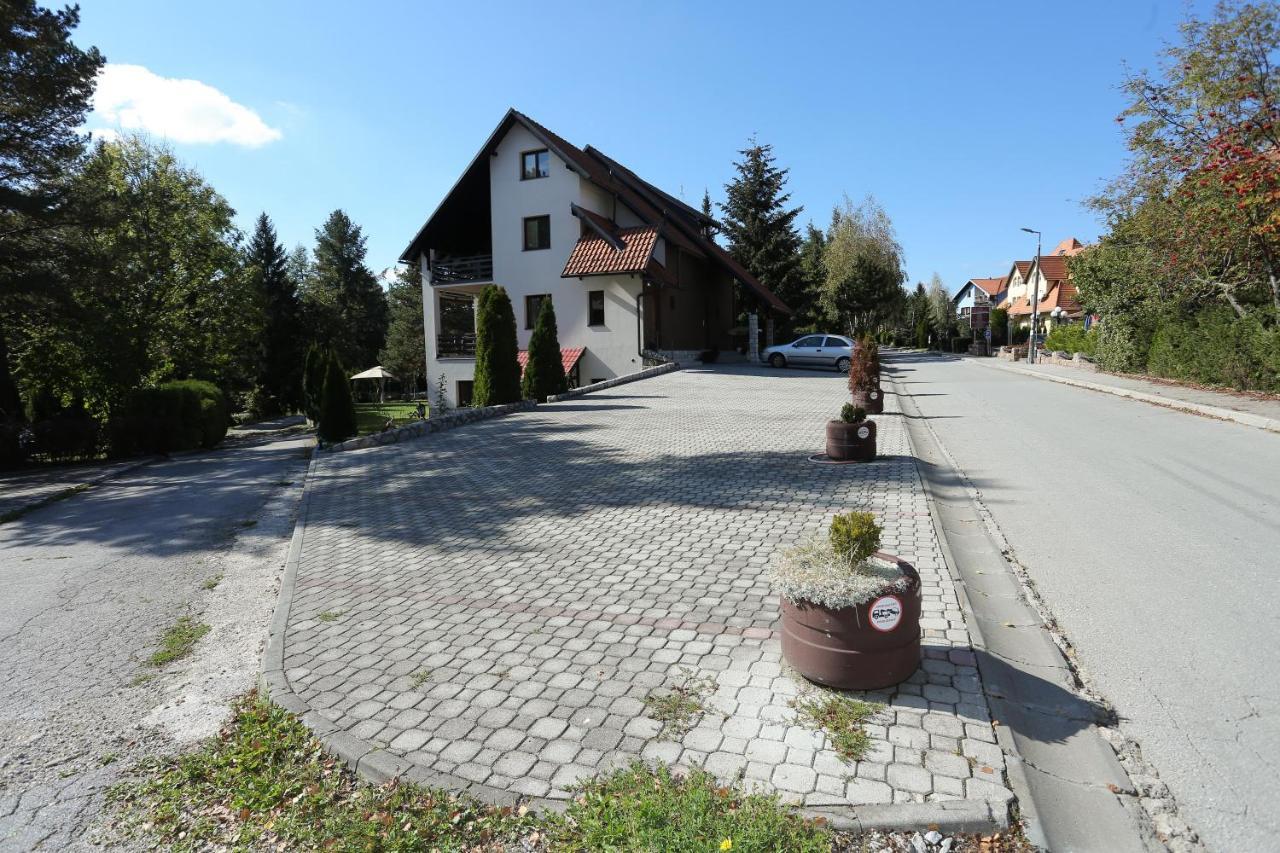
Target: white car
x=812 y=351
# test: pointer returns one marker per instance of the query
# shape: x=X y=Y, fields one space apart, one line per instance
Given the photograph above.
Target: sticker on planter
x=864 y=432
x=875 y=395
x=885 y=613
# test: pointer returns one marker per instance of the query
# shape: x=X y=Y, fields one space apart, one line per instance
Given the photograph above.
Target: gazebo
x=379 y=373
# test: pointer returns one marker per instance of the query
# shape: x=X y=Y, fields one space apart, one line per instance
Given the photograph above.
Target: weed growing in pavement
x=329 y=615
x=211 y=583
x=419 y=678
x=680 y=708
x=841 y=717
x=178 y=641
x=15 y=514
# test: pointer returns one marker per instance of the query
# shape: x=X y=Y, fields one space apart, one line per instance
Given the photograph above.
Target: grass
x=212 y=582
x=15 y=514
x=841 y=717
x=680 y=708
x=329 y=615
x=371 y=417
x=265 y=783
x=419 y=678
x=178 y=641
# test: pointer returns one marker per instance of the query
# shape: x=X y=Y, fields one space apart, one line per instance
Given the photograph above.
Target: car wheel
x=777 y=360
x=842 y=364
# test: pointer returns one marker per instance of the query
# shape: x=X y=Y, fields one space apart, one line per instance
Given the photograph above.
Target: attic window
x=534 y=164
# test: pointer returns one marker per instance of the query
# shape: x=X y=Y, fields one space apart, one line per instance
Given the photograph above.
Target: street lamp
x=1035 y=301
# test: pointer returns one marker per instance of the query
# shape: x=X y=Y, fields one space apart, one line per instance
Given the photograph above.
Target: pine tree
x=337 y=409
x=406 y=351
x=497 y=376
x=759 y=228
x=341 y=279
x=278 y=384
x=544 y=371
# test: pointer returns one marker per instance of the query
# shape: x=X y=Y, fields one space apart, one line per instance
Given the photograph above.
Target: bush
x=544 y=370
x=13 y=446
x=497 y=376
x=313 y=370
x=180 y=415
x=999 y=323
x=922 y=334
x=337 y=409
x=70 y=434
x=863 y=374
x=1073 y=338
x=855 y=535
x=851 y=414
x=1216 y=347
x=960 y=344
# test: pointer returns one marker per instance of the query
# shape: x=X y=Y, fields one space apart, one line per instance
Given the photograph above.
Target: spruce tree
x=497 y=376
x=544 y=370
x=759 y=227
x=341 y=280
x=337 y=409
x=279 y=377
x=405 y=354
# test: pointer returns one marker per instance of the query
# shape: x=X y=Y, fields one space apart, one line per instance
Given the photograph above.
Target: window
x=532 y=305
x=811 y=341
x=537 y=232
x=534 y=164
x=837 y=342
x=595 y=308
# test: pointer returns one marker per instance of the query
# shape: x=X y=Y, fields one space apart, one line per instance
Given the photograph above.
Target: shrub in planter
x=864 y=379
x=852 y=438
x=850 y=614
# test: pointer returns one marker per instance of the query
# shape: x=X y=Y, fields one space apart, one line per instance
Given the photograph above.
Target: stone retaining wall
x=417 y=429
x=618 y=380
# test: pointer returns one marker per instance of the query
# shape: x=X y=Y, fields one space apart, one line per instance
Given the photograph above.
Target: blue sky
x=966 y=120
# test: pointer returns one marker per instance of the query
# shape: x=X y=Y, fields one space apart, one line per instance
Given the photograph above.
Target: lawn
x=371 y=417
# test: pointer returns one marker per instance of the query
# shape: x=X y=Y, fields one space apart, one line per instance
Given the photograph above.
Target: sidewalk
x=22 y=489
x=491 y=607
x=1240 y=408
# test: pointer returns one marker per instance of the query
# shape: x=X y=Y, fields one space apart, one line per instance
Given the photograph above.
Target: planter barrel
x=873 y=645
x=870 y=399
x=851 y=442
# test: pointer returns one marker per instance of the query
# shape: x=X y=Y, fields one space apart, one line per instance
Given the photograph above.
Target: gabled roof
x=1068 y=247
x=989 y=286
x=1053 y=267
x=1023 y=267
x=607 y=249
x=672 y=219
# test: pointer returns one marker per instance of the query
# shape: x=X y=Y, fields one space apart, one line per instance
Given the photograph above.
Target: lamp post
x=1035 y=301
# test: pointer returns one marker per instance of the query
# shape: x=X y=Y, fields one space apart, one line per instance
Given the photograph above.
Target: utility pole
x=1035 y=301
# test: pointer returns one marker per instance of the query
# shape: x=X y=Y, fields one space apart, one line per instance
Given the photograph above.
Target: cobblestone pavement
x=495 y=603
x=87 y=588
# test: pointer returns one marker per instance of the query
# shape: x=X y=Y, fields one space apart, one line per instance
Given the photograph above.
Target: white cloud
x=131 y=97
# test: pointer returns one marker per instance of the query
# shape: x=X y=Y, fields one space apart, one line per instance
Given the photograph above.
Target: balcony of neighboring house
x=461 y=269
x=457 y=335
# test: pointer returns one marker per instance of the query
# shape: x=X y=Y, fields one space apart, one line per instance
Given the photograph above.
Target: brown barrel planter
x=851 y=442
x=873 y=645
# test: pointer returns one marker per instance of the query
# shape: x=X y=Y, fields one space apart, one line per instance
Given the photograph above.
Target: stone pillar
x=768 y=332
x=753 y=337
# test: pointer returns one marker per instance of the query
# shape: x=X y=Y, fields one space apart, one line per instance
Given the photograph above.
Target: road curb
x=1218 y=412
x=1073 y=773
x=376 y=765
x=91 y=482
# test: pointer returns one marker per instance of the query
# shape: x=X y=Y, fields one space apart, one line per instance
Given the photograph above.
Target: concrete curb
x=1219 y=412
x=419 y=429
x=616 y=381
x=1072 y=771
x=376 y=765
x=93 y=482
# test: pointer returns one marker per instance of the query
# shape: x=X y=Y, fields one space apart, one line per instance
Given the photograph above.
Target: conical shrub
x=337 y=410
x=544 y=371
x=497 y=376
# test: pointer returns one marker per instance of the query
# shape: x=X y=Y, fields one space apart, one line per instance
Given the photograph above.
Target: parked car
x=812 y=350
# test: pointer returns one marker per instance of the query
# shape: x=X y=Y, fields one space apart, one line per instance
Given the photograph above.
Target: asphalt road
x=88 y=586
x=1154 y=537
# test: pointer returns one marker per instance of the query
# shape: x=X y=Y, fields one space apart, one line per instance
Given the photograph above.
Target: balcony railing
x=456 y=346
x=462 y=270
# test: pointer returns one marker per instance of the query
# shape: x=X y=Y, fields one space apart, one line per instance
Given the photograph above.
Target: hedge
x=1072 y=338
x=1216 y=347
x=179 y=415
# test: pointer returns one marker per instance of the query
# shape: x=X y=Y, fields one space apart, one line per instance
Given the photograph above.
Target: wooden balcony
x=456 y=346
x=462 y=270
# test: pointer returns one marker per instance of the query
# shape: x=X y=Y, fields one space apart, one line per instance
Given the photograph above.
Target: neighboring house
x=632 y=271
x=973 y=302
x=1050 y=277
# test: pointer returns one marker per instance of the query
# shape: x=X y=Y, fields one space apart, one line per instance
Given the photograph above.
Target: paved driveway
x=495 y=603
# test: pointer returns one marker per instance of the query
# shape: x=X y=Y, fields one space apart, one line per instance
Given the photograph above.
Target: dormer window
x=534 y=164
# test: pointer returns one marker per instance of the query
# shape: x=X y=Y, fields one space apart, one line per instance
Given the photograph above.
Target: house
x=633 y=272
x=1050 y=278
x=973 y=302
